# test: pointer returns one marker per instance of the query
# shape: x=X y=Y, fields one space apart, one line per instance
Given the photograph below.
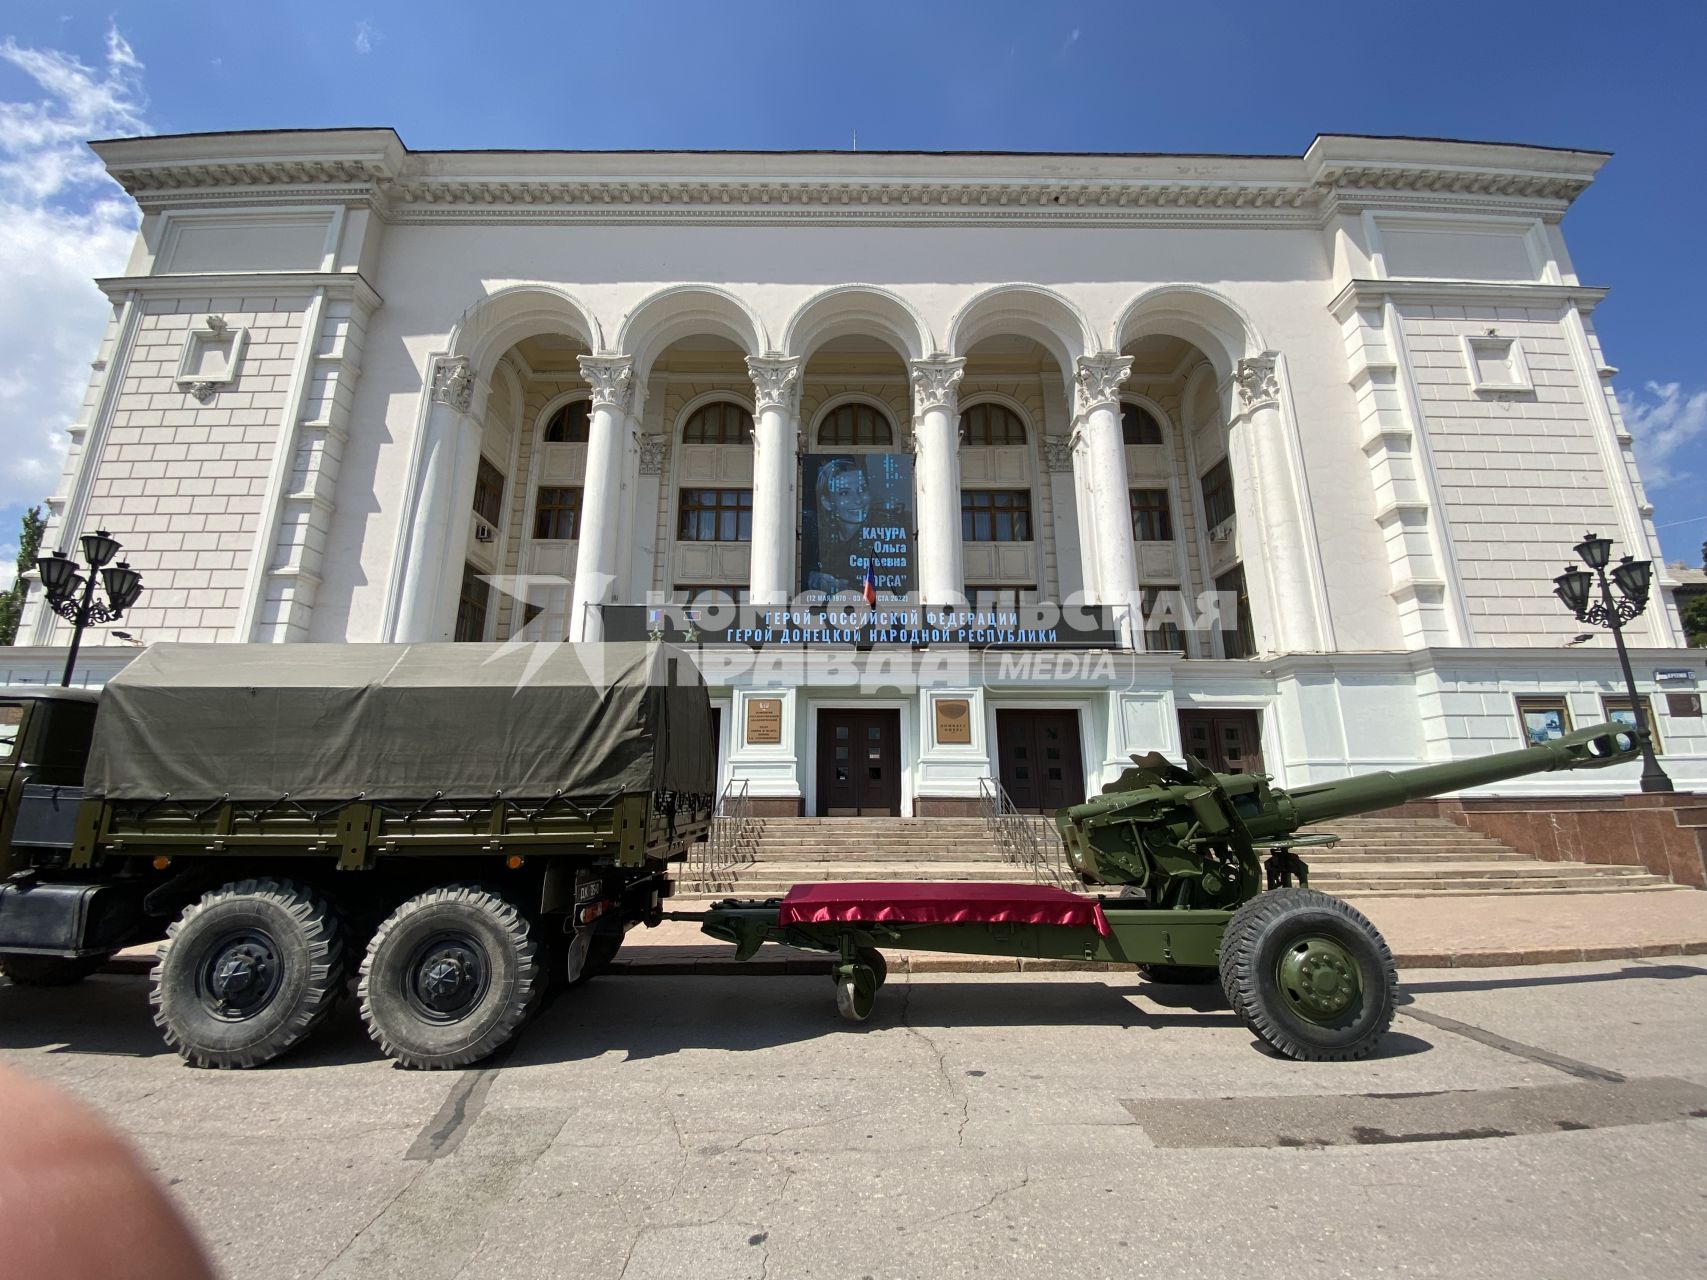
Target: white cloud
x=1664 y=421
x=66 y=222
x=367 y=35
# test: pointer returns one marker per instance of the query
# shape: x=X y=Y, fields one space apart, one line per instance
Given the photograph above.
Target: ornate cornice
x=1097 y=380
x=1337 y=174
x=776 y=383
x=1366 y=293
x=612 y=378
x=1257 y=381
x=453 y=383
x=936 y=384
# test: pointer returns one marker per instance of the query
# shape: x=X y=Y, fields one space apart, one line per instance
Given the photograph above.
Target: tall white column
x=936 y=479
x=1100 y=450
x=1275 y=535
x=433 y=539
x=597 y=555
x=776 y=477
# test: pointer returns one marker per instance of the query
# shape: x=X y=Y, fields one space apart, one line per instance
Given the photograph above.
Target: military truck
x=454 y=826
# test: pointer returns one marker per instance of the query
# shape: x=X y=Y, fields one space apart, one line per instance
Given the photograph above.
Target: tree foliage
x=12 y=601
x=1695 y=621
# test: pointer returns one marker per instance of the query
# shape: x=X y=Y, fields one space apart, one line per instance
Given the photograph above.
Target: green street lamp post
x=72 y=596
x=1633 y=578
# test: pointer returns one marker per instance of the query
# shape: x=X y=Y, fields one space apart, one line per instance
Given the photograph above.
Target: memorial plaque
x=1685 y=706
x=764 y=721
x=954 y=722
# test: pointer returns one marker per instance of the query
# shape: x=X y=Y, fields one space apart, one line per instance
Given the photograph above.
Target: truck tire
x=247 y=972
x=49 y=971
x=450 y=977
x=1310 y=976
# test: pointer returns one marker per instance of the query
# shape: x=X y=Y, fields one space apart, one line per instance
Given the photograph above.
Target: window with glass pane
x=856 y=424
x=569 y=424
x=722 y=423
x=995 y=515
x=471 y=606
x=1139 y=426
x=1237 y=641
x=1543 y=719
x=489 y=493
x=715 y=515
x=991 y=425
x=1161 y=620
x=557 y=513
x=1619 y=711
x=11 y=717
x=1152 y=520
x=1217 y=494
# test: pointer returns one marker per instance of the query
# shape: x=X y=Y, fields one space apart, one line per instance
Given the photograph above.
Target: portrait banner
x=857 y=515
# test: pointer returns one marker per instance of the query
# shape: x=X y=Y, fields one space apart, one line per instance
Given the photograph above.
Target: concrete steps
x=1376 y=857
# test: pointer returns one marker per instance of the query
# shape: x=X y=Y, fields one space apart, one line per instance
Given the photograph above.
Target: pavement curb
x=678 y=965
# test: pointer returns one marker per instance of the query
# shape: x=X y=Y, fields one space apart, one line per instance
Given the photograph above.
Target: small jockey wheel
x=857 y=977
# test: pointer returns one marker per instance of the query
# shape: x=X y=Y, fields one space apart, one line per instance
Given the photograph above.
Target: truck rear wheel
x=49 y=971
x=247 y=972
x=450 y=977
x=1309 y=975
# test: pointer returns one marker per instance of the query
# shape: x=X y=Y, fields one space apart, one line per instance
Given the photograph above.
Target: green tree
x=1695 y=621
x=12 y=601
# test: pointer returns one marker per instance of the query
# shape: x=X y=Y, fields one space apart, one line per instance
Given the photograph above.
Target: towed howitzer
x=1188 y=837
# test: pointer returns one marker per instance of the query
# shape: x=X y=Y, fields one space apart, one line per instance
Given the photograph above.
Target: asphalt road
x=1522 y=1122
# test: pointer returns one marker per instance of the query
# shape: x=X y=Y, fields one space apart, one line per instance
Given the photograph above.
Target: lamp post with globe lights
x=71 y=595
x=1633 y=578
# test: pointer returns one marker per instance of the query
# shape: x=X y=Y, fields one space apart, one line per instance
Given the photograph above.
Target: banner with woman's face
x=855 y=509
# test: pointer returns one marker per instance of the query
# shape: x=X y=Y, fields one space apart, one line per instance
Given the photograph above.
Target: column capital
x=1098 y=378
x=1057 y=454
x=936 y=383
x=654 y=455
x=1256 y=380
x=776 y=382
x=453 y=383
x=613 y=381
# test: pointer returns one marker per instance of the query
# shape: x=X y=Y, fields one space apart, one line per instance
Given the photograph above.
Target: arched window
x=569 y=424
x=856 y=424
x=724 y=422
x=991 y=424
x=1139 y=425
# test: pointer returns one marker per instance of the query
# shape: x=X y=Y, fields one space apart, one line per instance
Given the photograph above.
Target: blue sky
x=995 y=74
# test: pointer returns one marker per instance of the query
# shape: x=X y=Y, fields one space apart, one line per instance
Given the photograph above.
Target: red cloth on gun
x=913 y=902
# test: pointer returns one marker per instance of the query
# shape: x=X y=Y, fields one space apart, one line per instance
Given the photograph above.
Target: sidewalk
x=1424 y=933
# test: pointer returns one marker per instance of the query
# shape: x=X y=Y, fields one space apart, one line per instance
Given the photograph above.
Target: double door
x=1226 y=741
x=1038 y=753
x=859 y=763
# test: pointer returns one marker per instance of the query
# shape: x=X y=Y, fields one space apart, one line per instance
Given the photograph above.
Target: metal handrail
x=715 y=864
x=1023 y=838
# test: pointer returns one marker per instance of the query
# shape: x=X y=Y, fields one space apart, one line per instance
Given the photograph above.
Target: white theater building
x=351 y=392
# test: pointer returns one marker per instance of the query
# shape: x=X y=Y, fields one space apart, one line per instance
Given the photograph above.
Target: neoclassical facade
x=1271 y=459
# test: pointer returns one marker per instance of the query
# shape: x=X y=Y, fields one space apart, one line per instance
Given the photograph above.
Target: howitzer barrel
x=1592 y=748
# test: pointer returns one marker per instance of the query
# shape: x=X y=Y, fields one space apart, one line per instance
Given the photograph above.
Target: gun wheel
x=450 y=977
x=1309 y=975
x=248 y=972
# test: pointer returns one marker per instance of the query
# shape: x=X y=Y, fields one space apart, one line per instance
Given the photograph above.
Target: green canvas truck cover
x=327 y=722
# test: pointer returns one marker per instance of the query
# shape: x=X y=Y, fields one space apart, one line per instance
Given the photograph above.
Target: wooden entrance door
x=1041 y=765
x=1226 y=741
x=859 y=763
